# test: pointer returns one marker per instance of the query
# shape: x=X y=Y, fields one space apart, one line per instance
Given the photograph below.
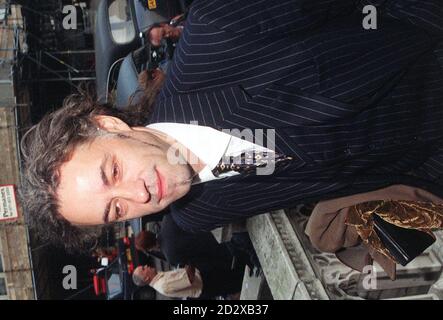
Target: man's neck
x=149 y=280
x=194 y=162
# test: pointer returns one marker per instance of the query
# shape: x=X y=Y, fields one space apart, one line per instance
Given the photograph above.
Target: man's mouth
x=160 y=186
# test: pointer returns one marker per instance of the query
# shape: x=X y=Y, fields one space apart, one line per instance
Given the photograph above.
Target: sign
x=8 y=203
x=152 y=4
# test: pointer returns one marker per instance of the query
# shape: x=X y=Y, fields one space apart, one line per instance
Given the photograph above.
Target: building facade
x=16 y=277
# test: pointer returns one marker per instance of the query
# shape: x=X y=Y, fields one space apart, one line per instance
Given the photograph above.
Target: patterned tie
x=248 y=162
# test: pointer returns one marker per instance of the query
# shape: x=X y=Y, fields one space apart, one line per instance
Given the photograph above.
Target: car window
x=120 y=19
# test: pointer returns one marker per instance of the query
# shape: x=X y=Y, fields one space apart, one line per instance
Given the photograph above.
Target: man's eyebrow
x=105 y=183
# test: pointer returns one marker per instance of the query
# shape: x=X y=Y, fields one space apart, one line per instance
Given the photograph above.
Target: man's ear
x=111 y=124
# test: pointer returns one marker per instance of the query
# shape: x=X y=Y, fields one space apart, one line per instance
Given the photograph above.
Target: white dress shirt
x=208 y=144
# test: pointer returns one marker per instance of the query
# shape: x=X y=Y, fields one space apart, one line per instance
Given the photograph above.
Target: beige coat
x=328 y=231
x=176 y=284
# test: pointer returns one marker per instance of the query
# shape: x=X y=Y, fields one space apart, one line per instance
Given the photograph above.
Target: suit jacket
x=357 y=109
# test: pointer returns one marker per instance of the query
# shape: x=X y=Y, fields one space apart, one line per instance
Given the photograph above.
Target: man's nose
x=134 y=191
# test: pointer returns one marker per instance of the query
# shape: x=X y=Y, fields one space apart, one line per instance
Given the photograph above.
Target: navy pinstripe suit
x=357 y=109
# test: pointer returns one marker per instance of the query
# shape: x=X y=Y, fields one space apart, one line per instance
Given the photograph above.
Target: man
x=351 y=110
x=172 y=31
x=163 y=31
x=180 y=247
x=180 y=283
x=343 y=101
x=146 y=241
x=221 y=265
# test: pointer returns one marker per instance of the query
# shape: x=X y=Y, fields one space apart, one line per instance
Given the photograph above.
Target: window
x=3 y=291
x=3 y=288
x=2 y=14
x=120 y=19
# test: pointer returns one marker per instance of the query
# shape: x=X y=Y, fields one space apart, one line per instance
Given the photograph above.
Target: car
x=119 y=24
x=113 y=280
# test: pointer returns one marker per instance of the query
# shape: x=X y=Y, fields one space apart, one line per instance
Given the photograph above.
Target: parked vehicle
x=119 y=26
x=114 y=279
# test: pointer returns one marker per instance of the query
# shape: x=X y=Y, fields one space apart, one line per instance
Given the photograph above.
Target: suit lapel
x=229 y=109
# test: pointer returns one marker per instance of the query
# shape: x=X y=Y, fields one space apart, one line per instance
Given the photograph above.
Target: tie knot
x=249 y=161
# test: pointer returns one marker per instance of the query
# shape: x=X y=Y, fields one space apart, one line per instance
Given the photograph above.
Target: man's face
x=116 y=178
x=146 y=273
x=164 y=31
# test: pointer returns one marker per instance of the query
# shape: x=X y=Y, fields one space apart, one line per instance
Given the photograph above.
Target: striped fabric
x=357 y=109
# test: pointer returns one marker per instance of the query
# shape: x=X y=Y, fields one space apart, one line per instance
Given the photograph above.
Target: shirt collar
x=206 y=143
